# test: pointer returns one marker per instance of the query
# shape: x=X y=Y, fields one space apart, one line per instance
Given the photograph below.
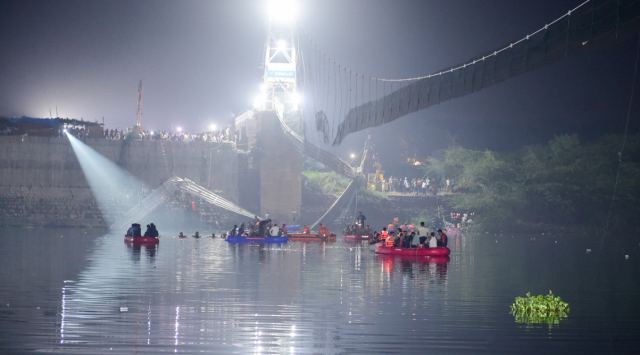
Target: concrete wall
x=41 y=182
x=280 y=169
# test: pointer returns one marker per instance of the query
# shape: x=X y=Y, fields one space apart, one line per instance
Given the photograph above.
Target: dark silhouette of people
x=151 y=231
x=134 y=231
x=263 y=227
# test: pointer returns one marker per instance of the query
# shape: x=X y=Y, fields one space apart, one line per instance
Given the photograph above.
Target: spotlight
x=295 y=100
x=259 y=101
x=283 y=12
x=179 y=129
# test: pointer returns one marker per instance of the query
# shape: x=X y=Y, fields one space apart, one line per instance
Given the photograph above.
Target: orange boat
x=311 y=237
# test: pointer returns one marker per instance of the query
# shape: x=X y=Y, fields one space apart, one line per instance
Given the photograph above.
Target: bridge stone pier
x=279 y=164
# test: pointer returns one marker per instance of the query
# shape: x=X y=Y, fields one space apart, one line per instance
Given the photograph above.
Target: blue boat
x=257 y=239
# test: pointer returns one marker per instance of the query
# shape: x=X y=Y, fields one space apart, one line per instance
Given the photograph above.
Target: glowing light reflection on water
x=202 y=295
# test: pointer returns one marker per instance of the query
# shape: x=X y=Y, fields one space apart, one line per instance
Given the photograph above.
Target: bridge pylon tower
x=279 y=88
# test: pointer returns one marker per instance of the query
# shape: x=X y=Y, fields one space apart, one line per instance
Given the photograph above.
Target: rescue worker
x=443 y=239
x=388 y=238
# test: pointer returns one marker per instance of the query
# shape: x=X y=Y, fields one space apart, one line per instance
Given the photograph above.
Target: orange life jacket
x=389 y=242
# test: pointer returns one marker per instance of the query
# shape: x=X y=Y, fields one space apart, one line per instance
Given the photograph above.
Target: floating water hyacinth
x=542 y=309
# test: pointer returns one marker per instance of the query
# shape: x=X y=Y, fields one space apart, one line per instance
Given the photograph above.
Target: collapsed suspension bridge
x=365 y=101
x=344 y=101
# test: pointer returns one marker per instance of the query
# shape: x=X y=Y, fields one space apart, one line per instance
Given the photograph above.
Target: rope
x=624 y=138
x=492 y=54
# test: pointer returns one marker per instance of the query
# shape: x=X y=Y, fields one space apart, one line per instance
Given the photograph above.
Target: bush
x=564 y=182
x=327 y=183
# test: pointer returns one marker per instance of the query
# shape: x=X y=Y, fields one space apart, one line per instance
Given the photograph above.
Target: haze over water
x=75 y=291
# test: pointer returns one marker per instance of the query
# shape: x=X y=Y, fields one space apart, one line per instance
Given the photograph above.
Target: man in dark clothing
x=147 y=233
x=154 y=230
x=263 y=227
x=136 y=230
x=443 y=240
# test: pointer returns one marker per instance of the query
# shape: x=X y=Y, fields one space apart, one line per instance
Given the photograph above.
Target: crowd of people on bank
x=408 y=236
x=225 y=135
x=219 y=136
x=87 y=129
x=462 y=218
x=415 y=186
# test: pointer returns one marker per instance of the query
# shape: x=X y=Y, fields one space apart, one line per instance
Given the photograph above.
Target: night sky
x=200 y=62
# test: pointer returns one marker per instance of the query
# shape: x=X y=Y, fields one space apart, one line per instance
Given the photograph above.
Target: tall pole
x=139 y=110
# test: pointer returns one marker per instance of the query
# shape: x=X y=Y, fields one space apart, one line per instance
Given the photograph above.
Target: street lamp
x=259 y=101
x=352 y=158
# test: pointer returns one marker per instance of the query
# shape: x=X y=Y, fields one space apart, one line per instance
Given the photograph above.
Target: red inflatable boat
x=439 y=251
x=419 y=259
x=141 y=240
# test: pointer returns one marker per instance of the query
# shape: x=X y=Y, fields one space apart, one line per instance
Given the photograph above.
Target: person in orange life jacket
x=389 y=242
x=386 y=237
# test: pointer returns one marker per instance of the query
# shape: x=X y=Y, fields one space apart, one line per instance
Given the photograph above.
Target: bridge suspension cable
x=491 y=54
x=362 y=101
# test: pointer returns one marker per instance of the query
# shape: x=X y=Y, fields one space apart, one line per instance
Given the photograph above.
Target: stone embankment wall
x=42 y=183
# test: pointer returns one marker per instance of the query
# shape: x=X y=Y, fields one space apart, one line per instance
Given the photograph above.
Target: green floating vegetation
x=542 y=309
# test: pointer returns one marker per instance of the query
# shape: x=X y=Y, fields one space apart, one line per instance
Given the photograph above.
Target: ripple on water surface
x=82 y=292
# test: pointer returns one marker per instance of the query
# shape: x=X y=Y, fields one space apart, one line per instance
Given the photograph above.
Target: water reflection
x=136 y=249
x=207 y=296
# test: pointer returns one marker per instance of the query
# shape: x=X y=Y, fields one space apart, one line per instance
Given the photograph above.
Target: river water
x=79 y=291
